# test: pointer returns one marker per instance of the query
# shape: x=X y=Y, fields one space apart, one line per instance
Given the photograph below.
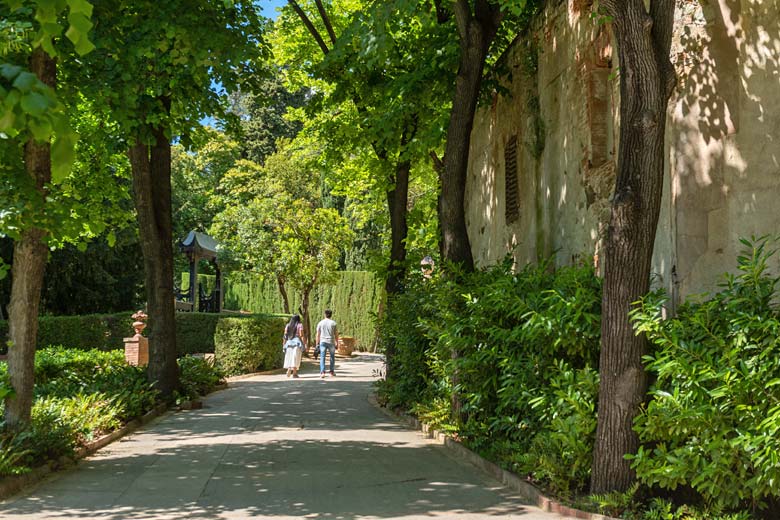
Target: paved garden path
x=272 y=447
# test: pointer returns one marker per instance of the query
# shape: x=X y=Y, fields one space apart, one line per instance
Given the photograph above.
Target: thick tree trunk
x=283 y=292
x=29 y=264
x=647 y=81
x=476 y=34
x=152 y=193
x=397 y=201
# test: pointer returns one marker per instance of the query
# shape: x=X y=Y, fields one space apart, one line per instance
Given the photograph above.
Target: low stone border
x=13 y=484
x=527 y=490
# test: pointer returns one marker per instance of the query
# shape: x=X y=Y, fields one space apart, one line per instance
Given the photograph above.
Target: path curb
x=527 y=490
x=13 y=484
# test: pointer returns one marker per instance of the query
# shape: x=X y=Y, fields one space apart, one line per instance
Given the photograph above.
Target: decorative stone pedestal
x=137 y=350
x=137 y=347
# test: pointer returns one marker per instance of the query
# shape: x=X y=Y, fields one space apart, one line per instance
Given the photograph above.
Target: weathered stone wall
x=723 y=172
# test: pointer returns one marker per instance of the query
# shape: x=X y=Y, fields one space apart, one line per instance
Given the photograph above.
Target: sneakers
x=322 y=375
x=332 y=373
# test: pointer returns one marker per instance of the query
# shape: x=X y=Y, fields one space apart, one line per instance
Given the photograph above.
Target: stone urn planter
x=137 y=346
x=346 y=346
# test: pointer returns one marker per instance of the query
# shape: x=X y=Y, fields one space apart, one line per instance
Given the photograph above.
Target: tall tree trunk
x=646 y=83
x=283 y=292
x=152 y=192
x=29 y=264
x=397 y=201
x=476 y=32
x=305 y=318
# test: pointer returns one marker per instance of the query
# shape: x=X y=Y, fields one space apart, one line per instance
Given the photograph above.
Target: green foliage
x=101 y=331
x=245 y=345
x=64 y=372
x=561 y=451
x=503 y=336
x=79 y=395
x=714 y=418
x=195 y=332
x=198 y=377
x=12 y=456
x=660 y=509
x=354 y=297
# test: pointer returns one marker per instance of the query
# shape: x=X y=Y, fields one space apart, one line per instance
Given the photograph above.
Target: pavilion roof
x=199 y=245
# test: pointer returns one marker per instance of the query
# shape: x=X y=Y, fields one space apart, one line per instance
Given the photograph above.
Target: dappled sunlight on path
x=273 y=447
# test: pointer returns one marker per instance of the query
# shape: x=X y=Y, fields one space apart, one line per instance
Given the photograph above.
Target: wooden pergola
x=199 y=246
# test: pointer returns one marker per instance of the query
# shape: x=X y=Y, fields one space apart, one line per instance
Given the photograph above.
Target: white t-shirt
x=327 y=330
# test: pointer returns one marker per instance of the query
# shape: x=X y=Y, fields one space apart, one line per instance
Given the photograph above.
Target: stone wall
x=723 y=133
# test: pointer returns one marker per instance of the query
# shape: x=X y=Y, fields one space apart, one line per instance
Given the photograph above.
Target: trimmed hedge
x=194 y=331
x=354 y=299
x=88 y=331
x=249 y=344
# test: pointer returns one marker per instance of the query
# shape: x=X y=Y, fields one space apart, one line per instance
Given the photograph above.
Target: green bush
x=195 y=332
x=501 y=336
x=713 y=423
x=198 y=377
x=245 y=345
x=561 y=451
x=64 y=372
x=100 y=331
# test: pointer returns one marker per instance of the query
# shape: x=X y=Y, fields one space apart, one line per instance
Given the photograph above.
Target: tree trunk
x=283 y=292
x=397 y=201
x=29 y=264
x=305 y=314
x=152 y=193
x=647 y=81
x=476 y=34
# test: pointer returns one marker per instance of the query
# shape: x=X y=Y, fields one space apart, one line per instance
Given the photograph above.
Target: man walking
x=327 y=338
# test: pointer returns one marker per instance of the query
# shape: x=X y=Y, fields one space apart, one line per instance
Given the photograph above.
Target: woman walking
x=293 y=345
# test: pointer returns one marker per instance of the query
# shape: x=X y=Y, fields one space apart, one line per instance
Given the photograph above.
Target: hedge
x=194 y=331
x=250 y=344
x=88 y=331
x=354 y=299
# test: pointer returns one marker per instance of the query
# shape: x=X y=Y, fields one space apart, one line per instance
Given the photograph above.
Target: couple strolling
x=294 y=344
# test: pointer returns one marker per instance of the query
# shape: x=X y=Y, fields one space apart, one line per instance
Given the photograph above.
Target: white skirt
x=292 y=355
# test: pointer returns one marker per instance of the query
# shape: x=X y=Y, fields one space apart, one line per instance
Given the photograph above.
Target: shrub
x=245 y=345
x=713 y=423
x=561 y=451
x=12 y=456
x=62 y=373
x=501 y=336
x=198 y=377
x=195 y=332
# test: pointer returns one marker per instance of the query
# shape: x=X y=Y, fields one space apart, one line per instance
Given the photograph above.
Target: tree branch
x=310 y=26
x=326 y=21
x=438 y=164
x=662 y=13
